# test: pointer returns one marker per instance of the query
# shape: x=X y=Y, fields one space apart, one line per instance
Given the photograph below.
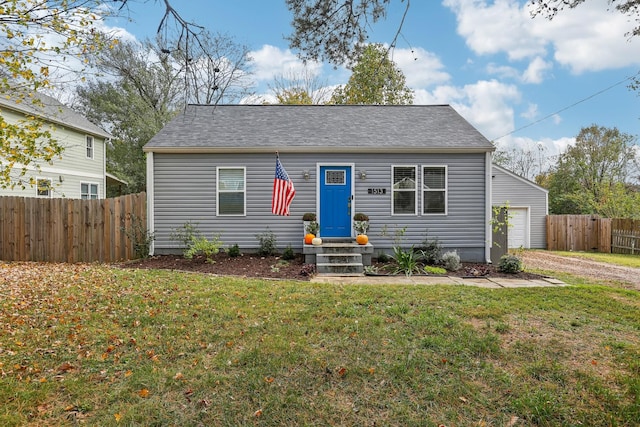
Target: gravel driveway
x=582 y=267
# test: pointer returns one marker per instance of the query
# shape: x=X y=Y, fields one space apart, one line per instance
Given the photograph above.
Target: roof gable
x=54 y=111
x=319 y=128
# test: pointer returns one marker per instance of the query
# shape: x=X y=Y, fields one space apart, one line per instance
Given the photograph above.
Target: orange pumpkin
x=308 y=238
x=362 y=239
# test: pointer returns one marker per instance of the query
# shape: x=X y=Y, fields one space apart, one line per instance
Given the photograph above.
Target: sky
x=521 y=81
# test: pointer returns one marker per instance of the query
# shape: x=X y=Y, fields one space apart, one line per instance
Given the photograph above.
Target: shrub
x=431 y=251
x=382 y=257
x=451 y=261
x=234 y=251
x=267 y=242
x=429 y=269
x=510 y=264
x=140 y=237
x=308 y=270
x=309 y=216
x=202 y=246
x=288 y=254
x=186 y=233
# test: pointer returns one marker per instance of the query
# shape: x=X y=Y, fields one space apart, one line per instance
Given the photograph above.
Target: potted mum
x=361 y=226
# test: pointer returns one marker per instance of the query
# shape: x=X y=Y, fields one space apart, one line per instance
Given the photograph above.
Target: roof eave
x=294 y=150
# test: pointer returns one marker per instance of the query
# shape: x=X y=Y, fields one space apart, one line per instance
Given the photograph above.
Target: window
x=43 y=187
x=334 y=177
x=231 y=191
x=434 y=190
x=404 y=190
x=89 y=147
x=88 y=191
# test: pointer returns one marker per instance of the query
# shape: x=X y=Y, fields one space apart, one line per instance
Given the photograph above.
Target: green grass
x=99 y=346
x=618 y=259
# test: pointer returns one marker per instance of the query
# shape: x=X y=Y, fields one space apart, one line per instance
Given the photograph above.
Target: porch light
x=363 y=174
x=306 y=175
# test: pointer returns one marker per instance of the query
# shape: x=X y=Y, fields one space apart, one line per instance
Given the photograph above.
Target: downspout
x=150 y=202
x=488 y=208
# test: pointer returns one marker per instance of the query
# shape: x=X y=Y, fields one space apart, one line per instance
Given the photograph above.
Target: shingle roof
x=51 y=109
x=318 y=128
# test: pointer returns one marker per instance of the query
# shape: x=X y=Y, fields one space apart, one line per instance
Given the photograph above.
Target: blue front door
x=335 y=201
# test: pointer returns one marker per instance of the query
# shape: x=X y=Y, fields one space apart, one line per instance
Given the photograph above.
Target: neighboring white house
x=81 y=172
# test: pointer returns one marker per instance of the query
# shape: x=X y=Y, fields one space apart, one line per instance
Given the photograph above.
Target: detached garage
x=528 y=208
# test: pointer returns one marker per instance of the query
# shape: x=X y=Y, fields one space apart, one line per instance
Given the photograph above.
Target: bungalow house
x=528 y=207
x=81 y=172
x=419 y=173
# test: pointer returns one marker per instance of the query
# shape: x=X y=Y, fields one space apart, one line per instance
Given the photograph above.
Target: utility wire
x=568 y=107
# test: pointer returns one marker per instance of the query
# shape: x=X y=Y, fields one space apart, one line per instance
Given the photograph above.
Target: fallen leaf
x=118 y=417
x=463 y=399
x=342 y=372
x=143 y=393
x=65 y=367
x=258 y=413
x=269 y=380
x=514 y=419
x=178 y=376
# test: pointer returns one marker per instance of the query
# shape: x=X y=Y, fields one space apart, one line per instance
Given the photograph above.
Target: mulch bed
x=274 y=267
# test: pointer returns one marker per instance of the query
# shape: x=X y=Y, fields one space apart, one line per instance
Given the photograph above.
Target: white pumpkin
x=317 y=241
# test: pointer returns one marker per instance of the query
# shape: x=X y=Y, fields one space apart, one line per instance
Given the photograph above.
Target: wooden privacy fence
x=70 y=230
x=592 y=233
x=625 y=236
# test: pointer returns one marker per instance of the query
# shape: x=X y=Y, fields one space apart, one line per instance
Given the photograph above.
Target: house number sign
x=377 y=190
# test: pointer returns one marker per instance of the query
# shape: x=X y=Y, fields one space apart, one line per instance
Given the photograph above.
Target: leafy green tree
x=590 y=173
x=375 y=80
x=143 y=94
x=299 y=88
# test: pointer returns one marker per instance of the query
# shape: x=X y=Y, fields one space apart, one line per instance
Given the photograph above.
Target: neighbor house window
x=43 y=187
x=88 y=191
x=231 y=191
x=434 y=190
x=404 y=190
x=89 y=147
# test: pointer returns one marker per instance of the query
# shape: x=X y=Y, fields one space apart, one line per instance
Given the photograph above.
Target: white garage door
x=518 y=235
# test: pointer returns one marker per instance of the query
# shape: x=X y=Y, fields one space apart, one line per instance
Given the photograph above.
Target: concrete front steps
x=338 y=257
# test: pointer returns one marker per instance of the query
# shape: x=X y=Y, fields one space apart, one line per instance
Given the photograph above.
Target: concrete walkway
x=482 y=282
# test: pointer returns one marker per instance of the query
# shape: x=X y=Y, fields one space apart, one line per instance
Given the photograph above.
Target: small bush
x=382 y=257
x=186 y=233
x=234 y=251
x=308 y=270
x=429 y=269
x=202 y=246
x=510 y=264
x=288 y=254
x=267 y=242
x=451 y=261
x=140 y=236
x=431 y=251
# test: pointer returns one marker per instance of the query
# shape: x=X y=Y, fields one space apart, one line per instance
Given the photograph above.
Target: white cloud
x=270 y=61
x=420 y=67
x=486 y=104
x=590 y=37
x=531 y=113
x=503 y=26
x=536 y=70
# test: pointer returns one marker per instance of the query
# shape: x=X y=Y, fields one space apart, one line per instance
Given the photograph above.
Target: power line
x=569 y=106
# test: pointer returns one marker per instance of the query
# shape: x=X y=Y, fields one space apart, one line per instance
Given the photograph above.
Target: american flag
x=283 y=191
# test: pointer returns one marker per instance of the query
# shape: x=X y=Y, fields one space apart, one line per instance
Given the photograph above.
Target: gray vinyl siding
x=184 y=190
x=518 y=192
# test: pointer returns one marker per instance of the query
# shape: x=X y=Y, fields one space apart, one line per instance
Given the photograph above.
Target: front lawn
x=624 y=260
x=103 y=346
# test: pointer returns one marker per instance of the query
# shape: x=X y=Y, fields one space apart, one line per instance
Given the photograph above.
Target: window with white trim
x=404 y=190
x=434 y=190
x=230 y=189
x=89 y=147
x=88 y=191
x=43 y=187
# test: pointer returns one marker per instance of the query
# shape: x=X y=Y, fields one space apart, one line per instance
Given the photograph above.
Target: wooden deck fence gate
x=592 y=233
x=70 y=230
